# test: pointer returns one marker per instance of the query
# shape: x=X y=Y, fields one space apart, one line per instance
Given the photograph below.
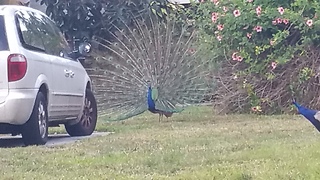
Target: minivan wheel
x=88 y=119
x=35 y=130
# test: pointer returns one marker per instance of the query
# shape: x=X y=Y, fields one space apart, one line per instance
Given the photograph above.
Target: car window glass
x=63 y=42
x=3 y=37
x=54 y=39
x=30 y=35
x=49 y=37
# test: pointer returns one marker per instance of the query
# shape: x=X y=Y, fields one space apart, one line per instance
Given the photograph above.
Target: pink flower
x=214 y=17
x=220 y=27
x=219 y=37
x=225 y=9
x=285 y=21
x=274 y=22
x=256 y=109
x=236 y=13
x=258 y=10
x=239 y=58
x=258 y=28
x=279 y=20
x=249 y=1
x=274 y=65
x=249 y=35
x=216 y=2
x=281 y=10
x=235 y=56
x=309 y=22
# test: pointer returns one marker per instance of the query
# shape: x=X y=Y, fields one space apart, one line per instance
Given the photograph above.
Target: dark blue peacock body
x=150 y=65
x=312 y=115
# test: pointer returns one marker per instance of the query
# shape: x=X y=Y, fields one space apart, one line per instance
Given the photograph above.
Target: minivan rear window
x=3 y=36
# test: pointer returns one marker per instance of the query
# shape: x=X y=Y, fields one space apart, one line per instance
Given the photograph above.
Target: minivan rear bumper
x=17 y=107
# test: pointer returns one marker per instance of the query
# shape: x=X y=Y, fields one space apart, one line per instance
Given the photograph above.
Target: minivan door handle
x=66 y=73
x=71 y=74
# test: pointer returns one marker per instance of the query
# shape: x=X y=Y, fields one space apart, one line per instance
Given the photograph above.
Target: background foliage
x=80 y=20
x=267 y=50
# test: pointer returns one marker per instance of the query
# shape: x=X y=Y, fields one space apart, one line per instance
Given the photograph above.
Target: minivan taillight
x=17 y=67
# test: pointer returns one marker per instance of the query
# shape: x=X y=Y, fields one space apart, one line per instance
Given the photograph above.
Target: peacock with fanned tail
x=150 y=65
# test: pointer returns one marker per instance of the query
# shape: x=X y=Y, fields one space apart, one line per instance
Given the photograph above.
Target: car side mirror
x=85 y=48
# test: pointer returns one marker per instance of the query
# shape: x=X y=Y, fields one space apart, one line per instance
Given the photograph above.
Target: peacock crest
x=152 y=65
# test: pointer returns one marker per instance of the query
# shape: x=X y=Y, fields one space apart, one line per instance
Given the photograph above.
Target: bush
x=267 y=51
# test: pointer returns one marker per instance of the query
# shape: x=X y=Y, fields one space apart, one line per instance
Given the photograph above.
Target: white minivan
x=40 y=84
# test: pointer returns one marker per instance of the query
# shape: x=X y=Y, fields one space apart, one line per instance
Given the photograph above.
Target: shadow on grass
x=54 y=140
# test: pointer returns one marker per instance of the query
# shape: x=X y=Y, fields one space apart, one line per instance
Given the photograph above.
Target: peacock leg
x=160 y=117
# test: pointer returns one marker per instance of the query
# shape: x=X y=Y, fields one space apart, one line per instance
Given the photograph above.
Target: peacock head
x=149 y=84
x=298 y=106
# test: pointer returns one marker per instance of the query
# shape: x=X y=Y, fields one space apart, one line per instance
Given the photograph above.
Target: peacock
x=312 y=115
x=150 y=65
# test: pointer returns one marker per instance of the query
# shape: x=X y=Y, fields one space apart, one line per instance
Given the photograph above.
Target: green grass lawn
x=192 y=145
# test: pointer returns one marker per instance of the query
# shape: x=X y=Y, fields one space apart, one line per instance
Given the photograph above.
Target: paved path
x=54 y=139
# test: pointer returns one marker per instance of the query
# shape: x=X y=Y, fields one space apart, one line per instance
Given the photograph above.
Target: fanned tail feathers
x=149 y=51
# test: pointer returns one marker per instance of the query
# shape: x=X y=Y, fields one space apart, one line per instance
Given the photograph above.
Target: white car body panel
x=65 y=94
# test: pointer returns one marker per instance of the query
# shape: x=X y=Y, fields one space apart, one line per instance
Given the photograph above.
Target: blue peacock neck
x=150 y=101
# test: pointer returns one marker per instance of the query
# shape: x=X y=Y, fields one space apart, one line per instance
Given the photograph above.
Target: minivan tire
x=35 y=130
x=88 y=118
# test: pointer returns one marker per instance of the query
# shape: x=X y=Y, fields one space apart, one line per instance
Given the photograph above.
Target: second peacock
x=312 y=115
x=150 y=65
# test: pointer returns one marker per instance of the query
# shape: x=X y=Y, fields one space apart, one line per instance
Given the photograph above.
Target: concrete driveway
x=54 y=139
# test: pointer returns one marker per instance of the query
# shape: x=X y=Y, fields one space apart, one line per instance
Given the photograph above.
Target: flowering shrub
x=260 y=31
x=257 y=39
